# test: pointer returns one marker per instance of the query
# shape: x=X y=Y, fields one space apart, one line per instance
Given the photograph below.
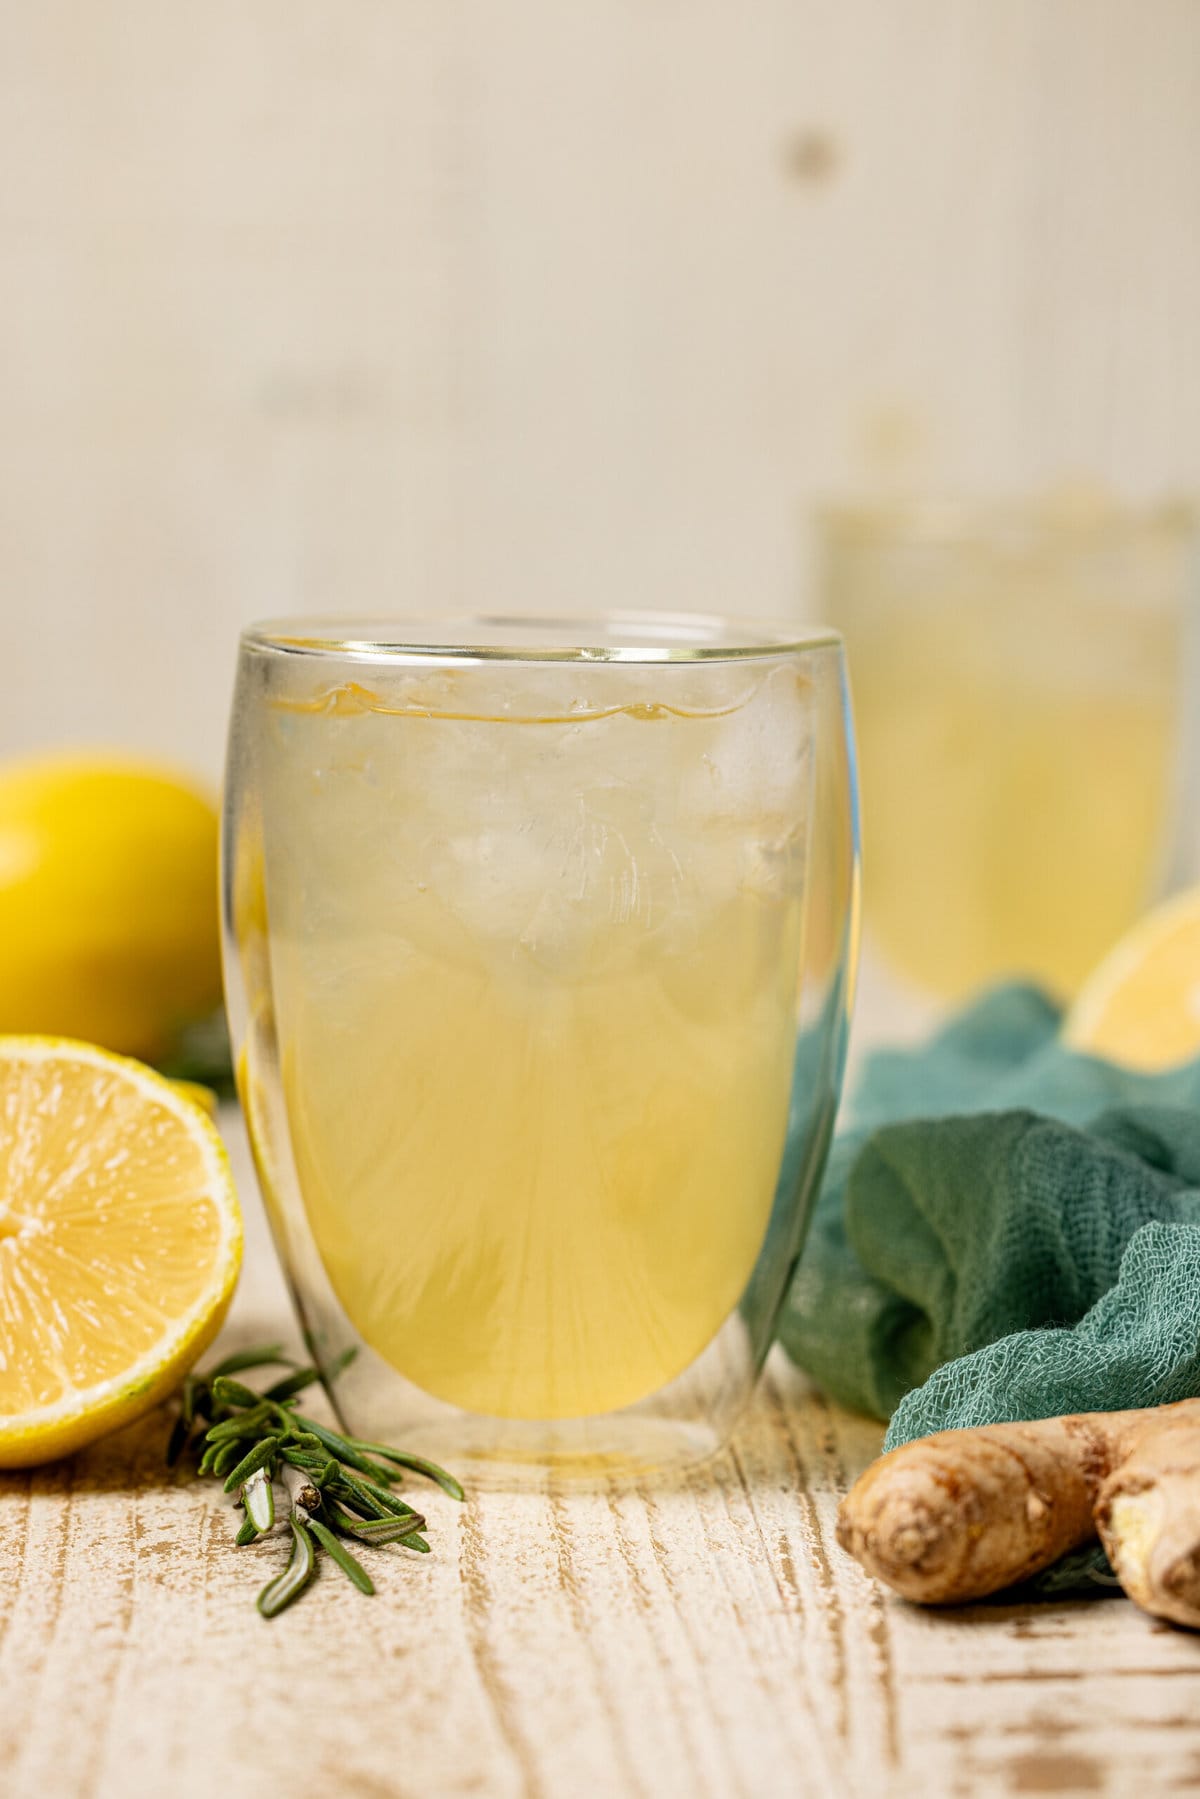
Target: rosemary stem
x=304 y=1496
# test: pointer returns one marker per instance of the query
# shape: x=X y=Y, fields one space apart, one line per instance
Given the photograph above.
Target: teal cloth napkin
x=1006 y=1230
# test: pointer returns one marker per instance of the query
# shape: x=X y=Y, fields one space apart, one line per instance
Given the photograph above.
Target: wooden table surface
x=709 y=1639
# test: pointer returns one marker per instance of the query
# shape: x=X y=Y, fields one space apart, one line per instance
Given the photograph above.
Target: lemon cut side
x=1141 y=1007
x=120 y=1243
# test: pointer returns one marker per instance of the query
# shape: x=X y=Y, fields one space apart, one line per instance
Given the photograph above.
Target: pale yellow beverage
x=1018 y=689
x=534 y=974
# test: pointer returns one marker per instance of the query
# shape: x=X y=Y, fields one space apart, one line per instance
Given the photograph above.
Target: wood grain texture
x=703 y=1639
x=433 y=304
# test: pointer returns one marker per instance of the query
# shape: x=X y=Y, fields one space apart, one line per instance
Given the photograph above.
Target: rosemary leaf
x=306 y=1443
x=242 y=1424
x=376 y=1530
x=337 y=1552
x=232 y=1392
x=250 y=1358
x=258 y=1497
x=258 y=1457
x=304 y=1459
x=343 y=1449
x=247 y=1533
x=399 y=1508
x=318 y=1468
x=358 y=1496
x=291 y=1384
x=225 y=1457
x=417 y=1463
x=291 y=1583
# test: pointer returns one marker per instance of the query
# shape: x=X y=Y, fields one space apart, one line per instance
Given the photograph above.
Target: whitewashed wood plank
x=419 y=305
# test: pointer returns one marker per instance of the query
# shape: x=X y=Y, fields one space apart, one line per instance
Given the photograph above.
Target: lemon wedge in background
x=1141 y=1007
x=120 y=1243
x=108 y=902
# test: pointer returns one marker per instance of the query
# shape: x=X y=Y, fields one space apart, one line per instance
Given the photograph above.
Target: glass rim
x=952 y=518
x=667 y=637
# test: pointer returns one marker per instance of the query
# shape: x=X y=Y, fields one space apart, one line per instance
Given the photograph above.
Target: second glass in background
x=1019 y=677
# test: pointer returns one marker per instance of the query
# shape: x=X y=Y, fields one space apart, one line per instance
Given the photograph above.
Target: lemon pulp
x=120 y=1242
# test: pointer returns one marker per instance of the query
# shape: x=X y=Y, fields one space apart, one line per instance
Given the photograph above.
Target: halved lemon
x=120 y=1243
x=1141 y=1007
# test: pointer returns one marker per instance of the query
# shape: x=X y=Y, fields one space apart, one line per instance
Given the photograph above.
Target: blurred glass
x=1019 y=686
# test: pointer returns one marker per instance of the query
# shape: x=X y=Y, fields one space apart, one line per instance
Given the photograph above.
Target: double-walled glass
x=539 y=947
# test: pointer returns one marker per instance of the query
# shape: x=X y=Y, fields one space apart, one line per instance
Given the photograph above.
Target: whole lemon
x=108 y=901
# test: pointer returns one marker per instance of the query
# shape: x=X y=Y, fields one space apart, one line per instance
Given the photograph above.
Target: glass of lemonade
x=539 y=950
x=1021 y=688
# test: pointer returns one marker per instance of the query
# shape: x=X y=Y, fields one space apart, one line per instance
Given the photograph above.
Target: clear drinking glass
x=539 y=950
x=1022 y=684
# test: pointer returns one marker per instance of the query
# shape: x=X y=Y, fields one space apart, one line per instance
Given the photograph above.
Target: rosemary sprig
x=334 y=1486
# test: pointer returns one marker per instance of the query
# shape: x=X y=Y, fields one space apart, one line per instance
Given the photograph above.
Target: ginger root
x=1148 y=1514
x=962 y=1514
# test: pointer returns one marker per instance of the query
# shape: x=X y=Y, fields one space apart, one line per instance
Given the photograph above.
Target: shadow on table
x=130 y=1460
x=789 y=1436
x=133 y=1459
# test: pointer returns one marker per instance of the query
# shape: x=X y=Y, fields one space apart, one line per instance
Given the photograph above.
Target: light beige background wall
x=437 y=303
